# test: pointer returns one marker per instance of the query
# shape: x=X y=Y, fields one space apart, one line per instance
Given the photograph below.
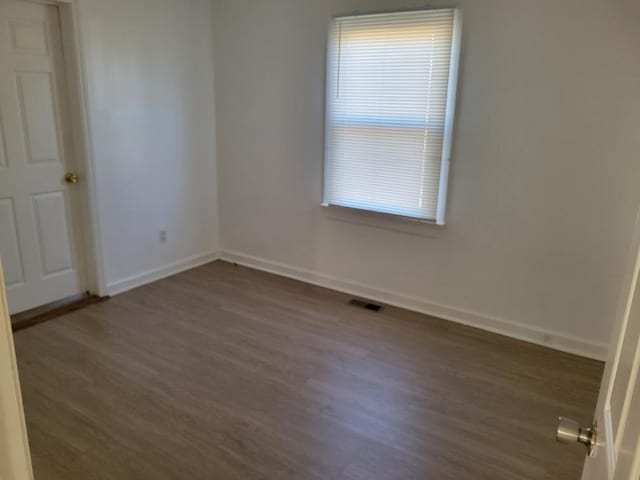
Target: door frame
x=83 y=148
x=14 y=442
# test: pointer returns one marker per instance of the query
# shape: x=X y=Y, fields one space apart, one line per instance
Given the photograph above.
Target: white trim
x=159 y=273
x=369 y=218
x=14 y=443
x=449 y=118
x=538 y=336
x=609 y=446
x=328 y=112
x=615 y=443
x=77 y=81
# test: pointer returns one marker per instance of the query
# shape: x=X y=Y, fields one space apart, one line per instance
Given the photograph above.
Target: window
x=390 y=100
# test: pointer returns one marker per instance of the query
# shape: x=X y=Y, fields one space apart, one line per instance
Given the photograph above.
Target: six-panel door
x=39 y=228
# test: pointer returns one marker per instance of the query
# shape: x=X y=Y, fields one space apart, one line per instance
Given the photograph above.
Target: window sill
x=386 y=221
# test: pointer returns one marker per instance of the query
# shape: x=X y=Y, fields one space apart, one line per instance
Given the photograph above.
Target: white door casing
x=40 y=237
x=617 y=456
x=14 y=443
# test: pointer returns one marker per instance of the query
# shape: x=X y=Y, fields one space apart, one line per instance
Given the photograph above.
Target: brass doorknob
x=71 y=178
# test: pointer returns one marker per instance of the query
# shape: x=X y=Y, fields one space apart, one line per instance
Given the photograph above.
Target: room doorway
x=41 y=236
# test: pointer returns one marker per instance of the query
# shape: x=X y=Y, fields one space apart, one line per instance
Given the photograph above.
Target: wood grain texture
x=223 y=373
x=42 y=314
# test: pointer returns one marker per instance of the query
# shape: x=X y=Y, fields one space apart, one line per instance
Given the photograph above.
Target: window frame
x=450 y=111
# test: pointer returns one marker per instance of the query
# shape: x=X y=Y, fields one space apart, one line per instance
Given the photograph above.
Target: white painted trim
x=328 y=112
x=609 y=447
x=159 y=273
x=75 y=55
x=14 y=443
x=538 y=336
x=449 y=117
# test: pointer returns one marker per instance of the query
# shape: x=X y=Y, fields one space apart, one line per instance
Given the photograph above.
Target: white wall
x=149 y=80
x=545 y=167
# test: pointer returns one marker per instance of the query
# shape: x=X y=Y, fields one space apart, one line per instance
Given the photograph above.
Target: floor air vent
x=364 y=304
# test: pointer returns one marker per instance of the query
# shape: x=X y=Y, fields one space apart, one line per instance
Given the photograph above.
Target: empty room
x=319 y=239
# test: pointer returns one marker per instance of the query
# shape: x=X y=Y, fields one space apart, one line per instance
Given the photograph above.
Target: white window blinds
x=390 y=96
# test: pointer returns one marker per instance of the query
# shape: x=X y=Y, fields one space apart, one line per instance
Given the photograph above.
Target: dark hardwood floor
x=45 y=313
x=228 y=373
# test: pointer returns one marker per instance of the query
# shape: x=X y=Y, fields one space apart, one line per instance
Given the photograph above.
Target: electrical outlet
x=163 y=236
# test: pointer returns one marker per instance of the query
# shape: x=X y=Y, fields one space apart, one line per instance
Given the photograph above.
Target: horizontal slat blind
x=387 y=95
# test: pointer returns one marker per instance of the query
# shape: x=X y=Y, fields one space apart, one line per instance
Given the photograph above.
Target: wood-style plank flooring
x=223 y=373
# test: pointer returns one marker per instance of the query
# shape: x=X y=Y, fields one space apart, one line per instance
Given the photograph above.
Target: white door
x=616 y=455
x=39 y=227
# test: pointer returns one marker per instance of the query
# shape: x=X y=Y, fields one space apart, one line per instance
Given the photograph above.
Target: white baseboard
x=547 y=338
x=134 y=281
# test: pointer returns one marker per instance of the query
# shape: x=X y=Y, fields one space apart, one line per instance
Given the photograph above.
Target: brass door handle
x=71 y=178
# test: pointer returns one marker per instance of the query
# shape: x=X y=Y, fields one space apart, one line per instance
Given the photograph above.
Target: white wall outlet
x=163 y=236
